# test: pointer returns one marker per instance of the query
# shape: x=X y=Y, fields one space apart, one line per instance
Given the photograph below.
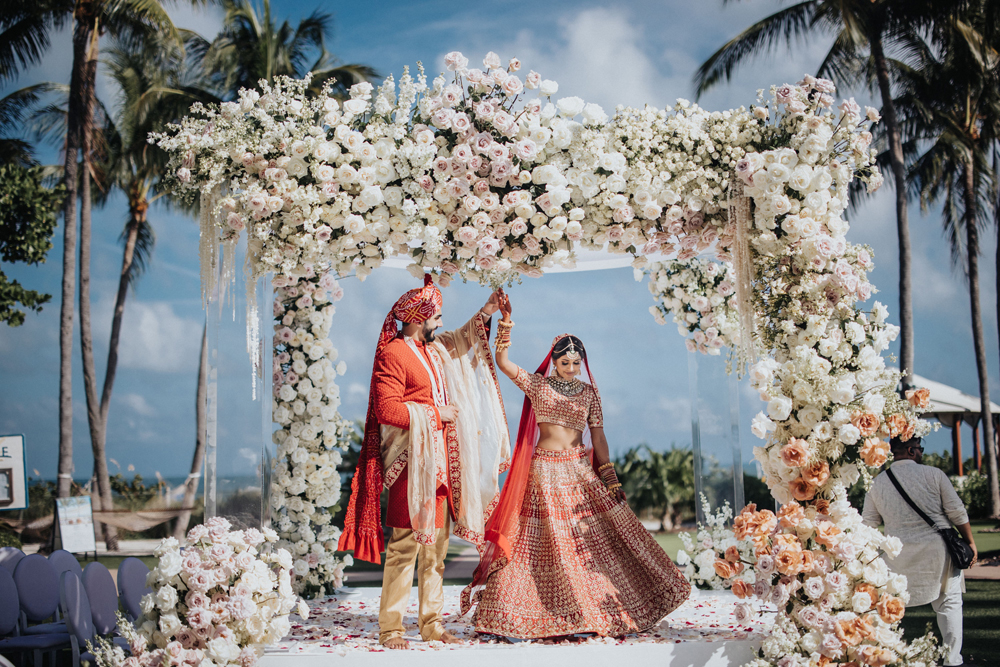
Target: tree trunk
x=902 y=220
x=972 y=243
x=77 y=110
x=86 y=336
x=137 y=218
x=201 y=423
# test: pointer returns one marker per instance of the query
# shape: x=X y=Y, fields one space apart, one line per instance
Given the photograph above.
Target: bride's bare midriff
x=558 y=438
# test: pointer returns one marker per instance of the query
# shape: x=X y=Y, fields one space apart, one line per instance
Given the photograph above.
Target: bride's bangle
x=503 y=335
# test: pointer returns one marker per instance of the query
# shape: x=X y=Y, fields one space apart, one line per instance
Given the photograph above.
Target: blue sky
x=610 y=53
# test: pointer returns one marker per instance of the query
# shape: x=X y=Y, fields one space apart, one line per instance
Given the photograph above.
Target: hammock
x=133 y=520
x=138 y=520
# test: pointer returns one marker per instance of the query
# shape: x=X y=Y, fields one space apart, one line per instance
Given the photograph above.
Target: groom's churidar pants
x=401 y=553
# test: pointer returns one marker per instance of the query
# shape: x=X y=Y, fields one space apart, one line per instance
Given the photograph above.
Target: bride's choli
x=562 y=417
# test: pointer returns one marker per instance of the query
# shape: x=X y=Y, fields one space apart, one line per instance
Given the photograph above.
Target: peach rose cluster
x=812 y=475
x=814 y=570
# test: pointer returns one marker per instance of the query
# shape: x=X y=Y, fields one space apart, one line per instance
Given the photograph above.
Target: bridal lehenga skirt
x=581 y=563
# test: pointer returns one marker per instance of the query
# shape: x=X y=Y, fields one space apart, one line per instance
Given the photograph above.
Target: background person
x=924 y=560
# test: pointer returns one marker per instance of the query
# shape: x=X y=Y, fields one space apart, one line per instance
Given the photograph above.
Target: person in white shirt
x=924 y=560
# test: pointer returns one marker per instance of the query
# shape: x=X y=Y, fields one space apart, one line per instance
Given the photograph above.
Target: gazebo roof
x=949 y=403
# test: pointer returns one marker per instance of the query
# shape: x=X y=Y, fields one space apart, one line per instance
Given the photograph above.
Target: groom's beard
x=428 y=335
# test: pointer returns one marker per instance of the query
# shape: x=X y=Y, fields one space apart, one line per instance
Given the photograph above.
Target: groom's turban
x=420 y=304
x=417 y=305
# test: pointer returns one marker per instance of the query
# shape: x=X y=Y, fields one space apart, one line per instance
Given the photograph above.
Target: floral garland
x=830 y=399
x=700 y=294
x=306 y=483
x=220 y=602
x=470 y=175
x=714 y=544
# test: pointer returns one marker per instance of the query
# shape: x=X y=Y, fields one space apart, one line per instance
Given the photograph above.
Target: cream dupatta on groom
x=468 y=455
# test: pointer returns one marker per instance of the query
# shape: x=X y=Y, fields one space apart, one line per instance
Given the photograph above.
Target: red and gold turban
x=417 y=305
x=363 y=523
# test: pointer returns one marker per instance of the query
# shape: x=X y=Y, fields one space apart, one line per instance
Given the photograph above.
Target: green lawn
x=671 y=543
x=981 y=609
x=986 y=542
x=112 y=562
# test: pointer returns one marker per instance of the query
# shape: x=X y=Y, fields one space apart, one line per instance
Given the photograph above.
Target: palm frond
x=782 y=26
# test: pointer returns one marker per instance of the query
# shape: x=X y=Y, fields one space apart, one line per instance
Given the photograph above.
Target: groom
x=436 y=437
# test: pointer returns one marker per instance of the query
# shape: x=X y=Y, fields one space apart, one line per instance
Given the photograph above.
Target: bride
x=564 y=554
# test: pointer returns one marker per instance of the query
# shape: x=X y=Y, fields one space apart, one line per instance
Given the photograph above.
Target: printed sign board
x=13 y=477
x=76 y=524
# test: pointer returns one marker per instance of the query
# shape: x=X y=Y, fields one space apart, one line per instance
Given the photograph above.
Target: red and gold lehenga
x=562 y=555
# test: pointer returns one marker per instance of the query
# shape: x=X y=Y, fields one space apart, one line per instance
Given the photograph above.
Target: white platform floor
x=343 y=630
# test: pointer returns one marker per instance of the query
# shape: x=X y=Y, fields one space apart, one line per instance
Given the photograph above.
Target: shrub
x=974 y=491
x=9 y=539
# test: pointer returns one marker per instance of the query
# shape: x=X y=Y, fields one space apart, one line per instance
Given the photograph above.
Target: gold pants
x=397 y=580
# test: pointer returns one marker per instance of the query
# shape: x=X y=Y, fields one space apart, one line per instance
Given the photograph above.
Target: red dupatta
x=503 y=524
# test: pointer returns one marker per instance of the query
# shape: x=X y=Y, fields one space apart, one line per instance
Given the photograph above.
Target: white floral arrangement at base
x=216 y=604
x=700 y=295
x=714 y=542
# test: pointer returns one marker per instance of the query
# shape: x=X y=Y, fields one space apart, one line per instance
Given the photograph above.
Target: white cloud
x=155 y=338
x=676 y=410
x=596 y=54
x=251 y=455
x=138 y=404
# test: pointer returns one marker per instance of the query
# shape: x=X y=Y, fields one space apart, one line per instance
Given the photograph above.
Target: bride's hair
x=563 y=346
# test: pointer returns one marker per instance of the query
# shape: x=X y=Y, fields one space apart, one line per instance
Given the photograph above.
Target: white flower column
x=305 y=483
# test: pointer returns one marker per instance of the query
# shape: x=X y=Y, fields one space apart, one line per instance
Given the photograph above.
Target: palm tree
x=252 y=47
x=153 y=90
x=953 y=101
x=863 y=31
x=25 y=37
x=661 y=481
x=14 y=109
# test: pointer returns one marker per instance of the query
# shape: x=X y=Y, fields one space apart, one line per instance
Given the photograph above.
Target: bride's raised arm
x=503 y=362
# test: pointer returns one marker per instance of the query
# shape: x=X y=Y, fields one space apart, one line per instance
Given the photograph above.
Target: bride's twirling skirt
x=582 y=562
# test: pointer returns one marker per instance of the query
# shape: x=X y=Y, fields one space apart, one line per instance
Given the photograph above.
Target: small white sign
x=13 y=478
x=76 y=524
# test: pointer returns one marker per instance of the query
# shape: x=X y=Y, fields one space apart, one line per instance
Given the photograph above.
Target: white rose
x=761 y=425
x=222 y=650
x=861 y=602
x=166 y=598
x=779 y=408
x=170 y=564
x=593 y=114
x=548 y=88
x=355 y=106
x=372 y=196
x=169 y=624
x=296 y=168
x=849 y=434
x=892 y=546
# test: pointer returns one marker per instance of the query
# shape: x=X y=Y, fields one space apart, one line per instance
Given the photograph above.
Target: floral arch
x=474 y=176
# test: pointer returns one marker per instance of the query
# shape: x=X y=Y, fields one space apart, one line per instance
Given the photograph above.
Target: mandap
x=486 y=174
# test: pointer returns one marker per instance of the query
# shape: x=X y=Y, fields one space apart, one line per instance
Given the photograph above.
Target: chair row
x=40 y=576
x=87 y=599
x=89 y=607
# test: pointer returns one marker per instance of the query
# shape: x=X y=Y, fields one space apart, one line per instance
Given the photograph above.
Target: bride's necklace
x=565 y=387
